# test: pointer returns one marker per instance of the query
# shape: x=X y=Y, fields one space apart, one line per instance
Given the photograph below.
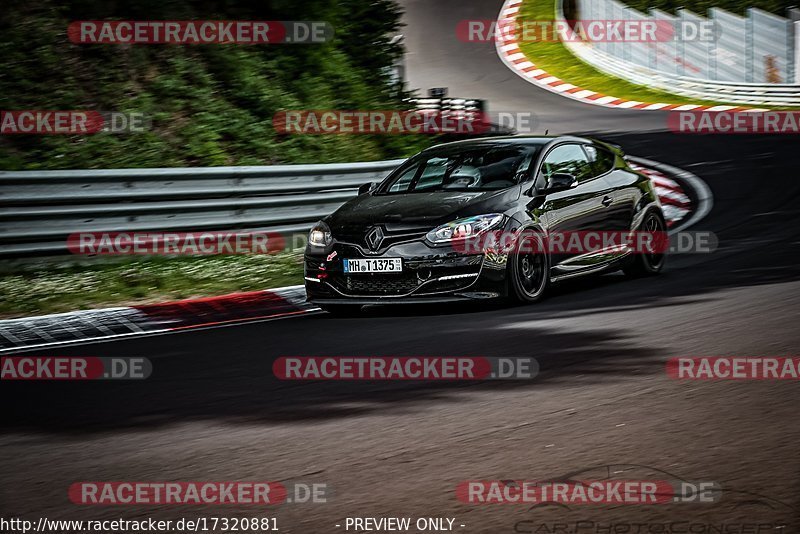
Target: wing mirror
x=561 y=182
x=366 y=188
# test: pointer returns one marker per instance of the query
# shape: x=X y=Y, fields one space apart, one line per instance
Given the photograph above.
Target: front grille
x=391 y=238
x=381 y=284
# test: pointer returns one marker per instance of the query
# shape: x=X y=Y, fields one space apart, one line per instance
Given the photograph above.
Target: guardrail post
x=794 y=44
x=712 y=54
x=679 y=47
x=749 y=51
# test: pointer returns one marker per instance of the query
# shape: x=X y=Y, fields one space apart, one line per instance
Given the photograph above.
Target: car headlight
x=320 y=235
x=464 y=228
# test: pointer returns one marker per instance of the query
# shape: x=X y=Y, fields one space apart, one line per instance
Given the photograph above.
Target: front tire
x=529 y=268
x=650 y=263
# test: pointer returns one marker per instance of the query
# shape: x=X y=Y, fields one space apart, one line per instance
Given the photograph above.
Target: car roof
x=540 y=140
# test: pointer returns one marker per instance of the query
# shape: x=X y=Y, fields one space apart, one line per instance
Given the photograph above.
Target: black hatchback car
x=408 y=239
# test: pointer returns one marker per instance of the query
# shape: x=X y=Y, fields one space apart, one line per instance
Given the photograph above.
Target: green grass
x=52 y=286
x=556 y=59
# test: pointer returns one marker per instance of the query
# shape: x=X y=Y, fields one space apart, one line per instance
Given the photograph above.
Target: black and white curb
x=113 y=323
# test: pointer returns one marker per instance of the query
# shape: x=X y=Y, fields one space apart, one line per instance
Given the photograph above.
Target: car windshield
x=469 y=168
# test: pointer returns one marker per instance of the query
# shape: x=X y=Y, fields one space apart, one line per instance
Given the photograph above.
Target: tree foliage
x=210 y=104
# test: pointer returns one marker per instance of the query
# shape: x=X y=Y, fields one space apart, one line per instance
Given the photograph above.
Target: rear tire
x=649 y=264
x=529 y=268
x=342 y=310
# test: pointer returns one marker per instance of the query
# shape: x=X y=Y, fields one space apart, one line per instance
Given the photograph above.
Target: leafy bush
x=210 y=104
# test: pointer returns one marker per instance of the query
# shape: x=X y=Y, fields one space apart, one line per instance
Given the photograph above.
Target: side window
x=433 y=174
x=569 y=159
x=602 y=160
x=524 y=168
x=404 y=181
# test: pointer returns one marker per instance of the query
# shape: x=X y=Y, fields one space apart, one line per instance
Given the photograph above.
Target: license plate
x=376 y=265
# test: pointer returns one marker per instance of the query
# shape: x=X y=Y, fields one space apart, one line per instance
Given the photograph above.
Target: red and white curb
x=114 y=323
x=511 y=54
x=680 y=211
x=675 y=203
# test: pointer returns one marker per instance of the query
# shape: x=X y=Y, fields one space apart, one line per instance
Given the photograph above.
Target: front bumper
x=430 y=274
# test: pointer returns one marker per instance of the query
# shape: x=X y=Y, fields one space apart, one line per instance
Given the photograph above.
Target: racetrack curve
x=436 y=58
x=212 y=410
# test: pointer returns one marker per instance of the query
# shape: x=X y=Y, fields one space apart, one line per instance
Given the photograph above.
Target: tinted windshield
x=473 y=168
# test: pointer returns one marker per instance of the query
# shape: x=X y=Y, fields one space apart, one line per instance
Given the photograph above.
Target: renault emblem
x=375 y=238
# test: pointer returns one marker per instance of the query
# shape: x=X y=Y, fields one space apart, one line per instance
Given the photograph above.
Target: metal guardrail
x=732 y=92
x=450 y=104
x=40 y=209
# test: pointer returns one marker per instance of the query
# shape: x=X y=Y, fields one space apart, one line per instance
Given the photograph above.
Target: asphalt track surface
x=212 y=410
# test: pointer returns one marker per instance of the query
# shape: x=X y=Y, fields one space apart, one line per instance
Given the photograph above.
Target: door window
x=601 y=159
x=567 y=159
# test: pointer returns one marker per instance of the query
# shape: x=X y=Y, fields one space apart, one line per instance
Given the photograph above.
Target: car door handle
x=607 y=201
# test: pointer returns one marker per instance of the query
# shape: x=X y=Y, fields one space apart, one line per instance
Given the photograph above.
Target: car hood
x=419 y=210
